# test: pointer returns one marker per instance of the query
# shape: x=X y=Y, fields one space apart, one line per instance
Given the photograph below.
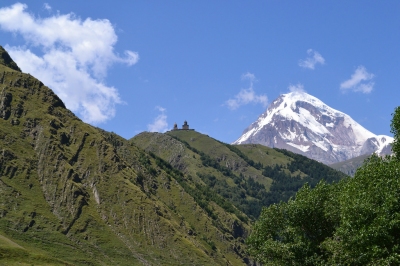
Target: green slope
x=6 y=61
x=247 y=176
x=72 y=194
x=350 y=166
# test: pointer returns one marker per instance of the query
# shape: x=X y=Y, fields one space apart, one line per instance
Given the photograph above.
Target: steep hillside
x=6 y=61
x=247 y=176
x=350 y=166
x=72 y=194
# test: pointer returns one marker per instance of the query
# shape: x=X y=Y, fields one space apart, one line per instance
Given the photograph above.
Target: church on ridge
x=185 y=126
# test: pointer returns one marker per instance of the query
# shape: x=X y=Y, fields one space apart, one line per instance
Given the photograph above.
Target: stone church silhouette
x=185 y=126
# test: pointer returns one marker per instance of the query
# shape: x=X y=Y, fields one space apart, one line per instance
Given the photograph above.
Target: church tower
x=185 y=126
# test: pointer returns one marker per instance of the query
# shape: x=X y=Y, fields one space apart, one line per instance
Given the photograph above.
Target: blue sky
x=133 y=66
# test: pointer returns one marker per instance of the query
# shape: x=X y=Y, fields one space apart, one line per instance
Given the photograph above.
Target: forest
x=355 y=221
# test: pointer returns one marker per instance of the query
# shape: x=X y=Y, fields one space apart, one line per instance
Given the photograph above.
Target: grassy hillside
x=72 y=194
x=350 y=166
x=247 y=176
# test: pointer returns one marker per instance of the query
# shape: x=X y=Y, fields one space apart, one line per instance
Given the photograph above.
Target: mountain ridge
x=74 y=194
x=6 y=60
x=303 y=124
x=248 y=176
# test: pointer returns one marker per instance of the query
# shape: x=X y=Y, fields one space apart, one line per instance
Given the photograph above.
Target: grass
x=70 y=194
x=73 y=194
x=236 y=172
x=349 y=167
x=12 y=253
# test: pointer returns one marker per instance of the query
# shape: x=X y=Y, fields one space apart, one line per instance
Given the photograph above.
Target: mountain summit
x=6 y=60
x=303 y=124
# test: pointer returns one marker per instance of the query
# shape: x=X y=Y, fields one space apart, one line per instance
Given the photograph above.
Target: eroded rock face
x=61 y=185
x=303 y=124
x=5 y=104
x=92 y=187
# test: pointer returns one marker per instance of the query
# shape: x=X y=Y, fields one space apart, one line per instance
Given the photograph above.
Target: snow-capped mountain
x=303 y=124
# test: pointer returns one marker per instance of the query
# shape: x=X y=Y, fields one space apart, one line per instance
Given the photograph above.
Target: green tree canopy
x=353 y=222
x=395 y=129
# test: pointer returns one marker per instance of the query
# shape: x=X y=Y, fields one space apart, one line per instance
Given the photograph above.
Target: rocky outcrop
x=5 y=104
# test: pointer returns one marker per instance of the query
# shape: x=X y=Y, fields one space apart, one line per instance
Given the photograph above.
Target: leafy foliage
x=353 y=222
x=285 y=185
x=369 y=230
x=395 y=129
x=291 y=233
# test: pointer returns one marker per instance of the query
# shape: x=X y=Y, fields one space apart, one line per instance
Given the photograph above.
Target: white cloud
x=313 y=59
x=161 y=109
x=359 y=81
x=160 y=122
x=296 y=88
x=47 y=6
x=76 y=55
x=250 y=77
x=246 y=96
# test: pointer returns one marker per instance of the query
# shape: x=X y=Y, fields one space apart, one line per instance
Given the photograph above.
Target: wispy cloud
x=160 y=122
x=249 y=76
x=359 y=81
x=296 y=88
x=47 y=6
x=246 y=96
x=313 y=58
x=75 y=57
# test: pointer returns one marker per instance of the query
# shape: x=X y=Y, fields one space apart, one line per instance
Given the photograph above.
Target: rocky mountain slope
x=73 y=194
x=303 y=124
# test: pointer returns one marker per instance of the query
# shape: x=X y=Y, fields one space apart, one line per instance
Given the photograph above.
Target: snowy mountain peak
x=302 y=123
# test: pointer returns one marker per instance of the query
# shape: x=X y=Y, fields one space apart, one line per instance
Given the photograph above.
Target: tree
x=353 y=222
x=292 y=233
x=395 y=129
x=369 y=229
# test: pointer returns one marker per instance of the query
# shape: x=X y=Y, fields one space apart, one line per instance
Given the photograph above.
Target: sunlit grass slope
x=72 y=194
x=247 y=176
